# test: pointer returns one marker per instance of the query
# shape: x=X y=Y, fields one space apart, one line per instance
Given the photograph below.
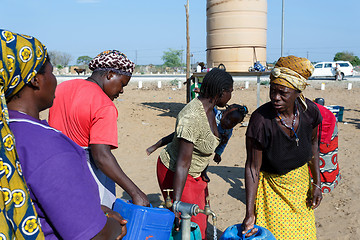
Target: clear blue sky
x=144 y=29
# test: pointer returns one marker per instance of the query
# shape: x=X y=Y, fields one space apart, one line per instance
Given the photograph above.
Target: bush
x=174 y=82
x=266 y=82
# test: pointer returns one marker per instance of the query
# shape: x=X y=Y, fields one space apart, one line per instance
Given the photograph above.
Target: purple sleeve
x=73 y=209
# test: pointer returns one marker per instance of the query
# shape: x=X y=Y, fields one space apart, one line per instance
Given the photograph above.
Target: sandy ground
x=147 y=114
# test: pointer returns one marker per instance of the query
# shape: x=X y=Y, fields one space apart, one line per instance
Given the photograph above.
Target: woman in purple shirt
x=62 y=189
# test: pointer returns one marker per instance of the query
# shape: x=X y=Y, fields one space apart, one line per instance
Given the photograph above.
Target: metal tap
x=207 y=211
x=168 y=202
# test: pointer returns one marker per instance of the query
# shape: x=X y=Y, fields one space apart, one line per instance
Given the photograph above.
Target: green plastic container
x=195 y=233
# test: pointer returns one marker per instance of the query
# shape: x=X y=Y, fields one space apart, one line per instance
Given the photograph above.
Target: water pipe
x=187 y=210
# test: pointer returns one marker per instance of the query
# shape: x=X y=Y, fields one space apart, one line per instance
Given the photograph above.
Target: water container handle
x=243 y=235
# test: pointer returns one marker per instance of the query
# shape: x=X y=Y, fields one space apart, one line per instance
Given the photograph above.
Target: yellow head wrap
x=292 y=72
x=21 y=57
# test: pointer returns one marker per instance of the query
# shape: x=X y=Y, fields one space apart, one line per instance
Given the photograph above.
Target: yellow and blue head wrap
x=21 y=57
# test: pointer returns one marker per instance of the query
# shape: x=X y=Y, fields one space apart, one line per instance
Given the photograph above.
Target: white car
x=328 y=69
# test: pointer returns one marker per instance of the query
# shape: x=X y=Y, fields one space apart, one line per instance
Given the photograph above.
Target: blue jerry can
x=145 y=222
x=234 y=233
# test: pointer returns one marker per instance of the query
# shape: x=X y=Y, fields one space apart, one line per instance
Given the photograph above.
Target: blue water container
x=195 y=233
x=145 y=222
x=338 y=111
x=234 y=233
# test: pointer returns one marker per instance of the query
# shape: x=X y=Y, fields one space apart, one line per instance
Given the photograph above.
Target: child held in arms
x=226 y=120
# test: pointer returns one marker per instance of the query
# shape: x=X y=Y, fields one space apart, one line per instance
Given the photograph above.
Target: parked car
x=328 y=69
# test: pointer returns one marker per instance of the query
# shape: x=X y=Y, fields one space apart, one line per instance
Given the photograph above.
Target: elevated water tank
x=236 y=33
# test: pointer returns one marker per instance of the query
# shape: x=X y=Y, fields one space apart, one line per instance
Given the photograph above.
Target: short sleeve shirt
x=192 y=125
x=84 y=113
x=61 y=186
x=280 y=151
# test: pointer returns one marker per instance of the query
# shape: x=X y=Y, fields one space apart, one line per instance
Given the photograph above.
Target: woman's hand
x=248 y=224
x=316 y=198
x=141 y=199
x=177 y=221
x=119 y=218
x=316 y=194
x=112 y=217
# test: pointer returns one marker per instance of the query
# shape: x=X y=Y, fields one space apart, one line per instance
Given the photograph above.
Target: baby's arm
x=220 y=149
x=217 y=158
x=162 y=142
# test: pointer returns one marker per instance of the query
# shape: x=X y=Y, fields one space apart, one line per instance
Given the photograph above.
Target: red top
x=84 y=113
x=327 y=125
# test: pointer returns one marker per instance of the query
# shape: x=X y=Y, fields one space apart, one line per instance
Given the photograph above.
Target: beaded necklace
x=292 y=126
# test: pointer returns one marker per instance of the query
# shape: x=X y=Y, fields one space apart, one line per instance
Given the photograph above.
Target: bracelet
x=107 y=214
x=316 y=186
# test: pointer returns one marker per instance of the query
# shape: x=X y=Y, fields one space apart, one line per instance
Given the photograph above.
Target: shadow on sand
x=354 y=121
x=167 y=109
x=233 y=176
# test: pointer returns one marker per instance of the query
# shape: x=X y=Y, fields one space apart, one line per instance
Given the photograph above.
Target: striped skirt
x=106 y=186
x=281 y=205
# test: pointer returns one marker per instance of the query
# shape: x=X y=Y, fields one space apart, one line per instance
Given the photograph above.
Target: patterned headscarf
x=113 y=59
x=292 y=72
x=21 y=57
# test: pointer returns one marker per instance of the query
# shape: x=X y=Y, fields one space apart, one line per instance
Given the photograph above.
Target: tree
x=347 y=56
x=54 y=57
x=172 y=58
x=59 y=58
x=65 y=58
x=83 y=60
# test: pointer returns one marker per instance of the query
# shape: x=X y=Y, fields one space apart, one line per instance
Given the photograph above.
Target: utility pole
x=182 y=55
x=187 y=53
x=136 y=57
x=282 y=30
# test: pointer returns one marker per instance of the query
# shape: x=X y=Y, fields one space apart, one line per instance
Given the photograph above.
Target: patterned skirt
x=329 y=166
x=281 y=205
